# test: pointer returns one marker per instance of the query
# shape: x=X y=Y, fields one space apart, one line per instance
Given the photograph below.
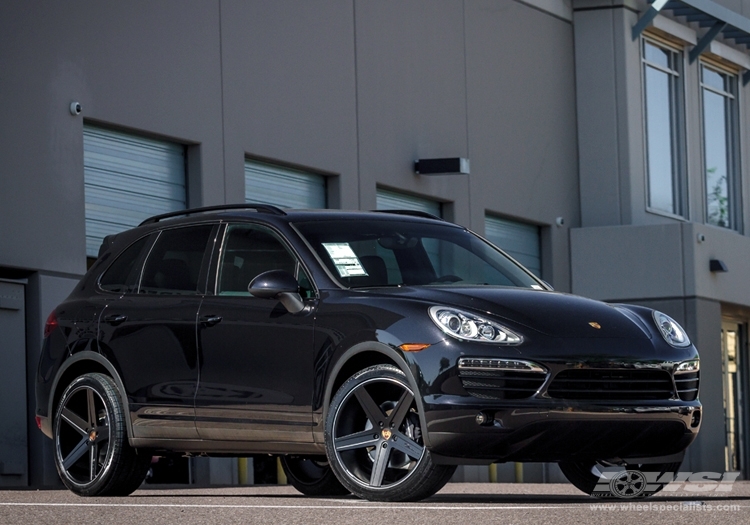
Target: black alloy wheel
x=374 y=439
x=312 y=476
x=603 y=480
x=92 y=453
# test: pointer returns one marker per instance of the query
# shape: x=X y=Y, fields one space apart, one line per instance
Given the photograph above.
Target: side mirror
x=278 y=284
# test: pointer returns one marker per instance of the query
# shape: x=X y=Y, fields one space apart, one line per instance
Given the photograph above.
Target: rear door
x=149 y=331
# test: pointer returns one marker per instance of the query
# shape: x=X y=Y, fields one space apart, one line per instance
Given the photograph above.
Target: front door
x=256 y=358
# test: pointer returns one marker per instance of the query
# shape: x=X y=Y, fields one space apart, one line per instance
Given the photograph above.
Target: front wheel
x=92 y=453
x=374 y=439
x=603 y=480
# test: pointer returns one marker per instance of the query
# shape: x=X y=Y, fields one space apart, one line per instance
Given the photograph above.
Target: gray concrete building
x=608 y=142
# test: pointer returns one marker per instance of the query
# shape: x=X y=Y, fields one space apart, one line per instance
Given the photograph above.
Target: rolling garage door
x=128 y=178
x=391 y=200
x=517 y=239
x=283 y=187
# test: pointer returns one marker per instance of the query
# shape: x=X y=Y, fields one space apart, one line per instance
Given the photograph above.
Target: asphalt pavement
x=459 y=503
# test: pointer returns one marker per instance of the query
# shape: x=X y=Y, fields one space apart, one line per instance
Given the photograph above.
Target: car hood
x=552 y=313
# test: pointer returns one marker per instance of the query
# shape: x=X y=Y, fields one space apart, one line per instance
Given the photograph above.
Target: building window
x=128 y=178
x=663 y=103
x=284 y=187
x=720 y=138
x=391 y=200
x=519 y=240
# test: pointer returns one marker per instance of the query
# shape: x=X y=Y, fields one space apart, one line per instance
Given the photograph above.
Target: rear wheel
x=604 y=480
x=92 y=453
x=374 y=439
x=312 y=476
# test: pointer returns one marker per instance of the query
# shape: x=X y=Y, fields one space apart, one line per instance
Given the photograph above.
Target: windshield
x=370 y=253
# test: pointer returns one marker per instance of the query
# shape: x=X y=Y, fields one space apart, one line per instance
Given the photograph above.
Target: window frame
x=733 y=142
x=217 y=257
x=678 y=147
x=205 y=261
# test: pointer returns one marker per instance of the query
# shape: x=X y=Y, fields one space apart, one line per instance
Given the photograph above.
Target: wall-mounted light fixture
x=453 y=165
x=717 y=265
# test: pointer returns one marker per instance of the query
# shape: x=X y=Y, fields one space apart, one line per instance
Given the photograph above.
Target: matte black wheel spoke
x=402 y=408
x=93 y=460
x=102 y=434
x=372 y=410
x=367 y=438
x=382 y=455
x=91 y=407
x=77 y=453
x=406 y=445
x=74 y=421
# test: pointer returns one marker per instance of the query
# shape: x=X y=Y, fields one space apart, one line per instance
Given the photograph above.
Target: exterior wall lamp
x=452 y=166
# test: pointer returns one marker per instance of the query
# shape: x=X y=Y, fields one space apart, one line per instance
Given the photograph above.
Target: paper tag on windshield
x=346 y=261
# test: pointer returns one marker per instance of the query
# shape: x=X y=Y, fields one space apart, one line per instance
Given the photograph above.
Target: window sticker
x=537 y=287
x=345 y=259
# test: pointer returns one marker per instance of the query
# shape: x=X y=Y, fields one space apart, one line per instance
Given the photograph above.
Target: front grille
x=687 y=385
x=612 y=384
x=501 y=384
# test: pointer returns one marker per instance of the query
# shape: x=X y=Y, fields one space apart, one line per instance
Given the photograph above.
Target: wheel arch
x=361 y=356
x=83 y=363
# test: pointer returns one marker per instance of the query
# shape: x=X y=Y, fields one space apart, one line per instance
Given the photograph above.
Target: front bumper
x=548 y=431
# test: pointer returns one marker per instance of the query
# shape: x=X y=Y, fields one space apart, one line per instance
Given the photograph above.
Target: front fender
x=394 y=356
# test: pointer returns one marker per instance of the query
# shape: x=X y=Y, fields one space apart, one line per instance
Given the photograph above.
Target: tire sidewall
x=403 y=488
x=113 y=406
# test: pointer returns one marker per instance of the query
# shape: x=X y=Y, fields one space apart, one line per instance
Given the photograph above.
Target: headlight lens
x=470 y=327
x=671 y=330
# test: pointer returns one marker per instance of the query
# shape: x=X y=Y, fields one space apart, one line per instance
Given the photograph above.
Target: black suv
x=372 y=351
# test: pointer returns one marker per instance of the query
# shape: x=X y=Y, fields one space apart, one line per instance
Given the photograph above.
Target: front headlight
x=469 y=327
x=671 y=330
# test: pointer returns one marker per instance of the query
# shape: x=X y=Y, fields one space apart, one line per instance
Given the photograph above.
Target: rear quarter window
x=122 y=275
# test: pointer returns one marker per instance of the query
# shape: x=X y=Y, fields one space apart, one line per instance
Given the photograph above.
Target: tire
x=92 y=453
x=628 y=481
x=312 y=476
x=374 y=439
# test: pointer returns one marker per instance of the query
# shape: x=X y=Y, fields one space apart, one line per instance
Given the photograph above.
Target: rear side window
x=174 y=264
x=122 y=275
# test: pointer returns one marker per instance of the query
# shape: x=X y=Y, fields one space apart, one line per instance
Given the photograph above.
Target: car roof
x=263 y=213
x=272 y=214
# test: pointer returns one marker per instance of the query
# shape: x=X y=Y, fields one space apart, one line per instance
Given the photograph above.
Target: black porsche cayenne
x=372 y=351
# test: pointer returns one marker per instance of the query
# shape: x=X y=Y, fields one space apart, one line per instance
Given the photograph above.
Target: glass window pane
x=714 y=79
x=174 y=264
x=122 y=275
x=660 y=140
x=248 y=252
x=657 y=55
x=717 y=166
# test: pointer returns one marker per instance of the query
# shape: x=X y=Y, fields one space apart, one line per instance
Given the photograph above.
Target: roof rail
x=414 y=213
x=264 y=208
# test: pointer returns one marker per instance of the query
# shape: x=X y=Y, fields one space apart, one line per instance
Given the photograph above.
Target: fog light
x=483 y=418
x=696 y=419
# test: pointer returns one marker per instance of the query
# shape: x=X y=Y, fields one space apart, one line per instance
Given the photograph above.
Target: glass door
x=732 y=341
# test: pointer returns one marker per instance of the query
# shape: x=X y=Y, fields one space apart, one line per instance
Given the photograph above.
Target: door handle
x=210 y=320
x=115 y=319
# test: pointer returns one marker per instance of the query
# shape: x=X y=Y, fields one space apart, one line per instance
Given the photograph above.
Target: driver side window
x=250 y=250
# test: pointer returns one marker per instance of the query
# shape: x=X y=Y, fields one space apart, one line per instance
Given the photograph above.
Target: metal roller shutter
x=128 y=178
x=283 y=187
x=519 y=240
x=391 y=200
